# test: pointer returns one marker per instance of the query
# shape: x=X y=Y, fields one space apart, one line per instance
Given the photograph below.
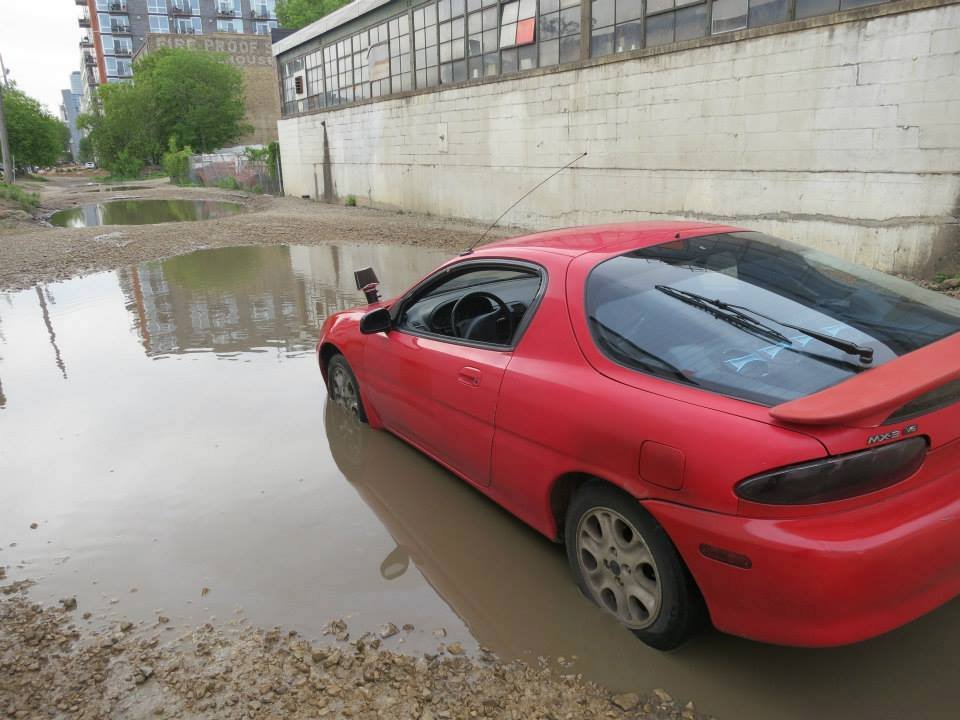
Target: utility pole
x=4 y=142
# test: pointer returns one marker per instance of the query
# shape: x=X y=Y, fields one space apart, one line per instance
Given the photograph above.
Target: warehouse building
x=835 y=123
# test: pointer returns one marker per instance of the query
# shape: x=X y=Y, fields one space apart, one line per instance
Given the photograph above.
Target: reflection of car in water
x=507 y=584
x=712 y=420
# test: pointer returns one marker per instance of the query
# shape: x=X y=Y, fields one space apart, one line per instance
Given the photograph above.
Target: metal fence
x=233 y=168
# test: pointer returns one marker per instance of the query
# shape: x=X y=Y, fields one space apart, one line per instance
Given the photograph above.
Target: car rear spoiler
x=867 y=399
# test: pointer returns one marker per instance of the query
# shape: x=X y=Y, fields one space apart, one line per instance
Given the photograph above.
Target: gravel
x=51 y=668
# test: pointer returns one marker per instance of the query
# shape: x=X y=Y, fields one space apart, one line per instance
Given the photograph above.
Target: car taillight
x=836 y=478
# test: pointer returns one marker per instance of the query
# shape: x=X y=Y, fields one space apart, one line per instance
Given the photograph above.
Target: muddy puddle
x=143 y=212
x=166 y=428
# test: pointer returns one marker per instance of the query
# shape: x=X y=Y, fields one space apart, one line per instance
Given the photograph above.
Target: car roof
x=596 y=238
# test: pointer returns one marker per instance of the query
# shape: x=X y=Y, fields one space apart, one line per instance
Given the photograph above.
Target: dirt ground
x=51 y=667
x=32 y=252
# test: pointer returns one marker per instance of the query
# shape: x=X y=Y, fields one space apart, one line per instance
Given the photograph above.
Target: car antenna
x=492 y=226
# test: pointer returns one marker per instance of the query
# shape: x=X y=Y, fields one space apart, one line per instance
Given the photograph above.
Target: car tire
x=343 y=388
x=623 y=560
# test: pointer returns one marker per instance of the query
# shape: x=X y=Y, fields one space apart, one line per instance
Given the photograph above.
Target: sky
x=39 y=42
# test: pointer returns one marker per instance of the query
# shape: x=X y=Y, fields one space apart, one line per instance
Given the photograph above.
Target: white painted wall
x=845 y=137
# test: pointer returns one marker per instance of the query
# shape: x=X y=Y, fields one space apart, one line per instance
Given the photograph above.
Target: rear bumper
x=828 y=579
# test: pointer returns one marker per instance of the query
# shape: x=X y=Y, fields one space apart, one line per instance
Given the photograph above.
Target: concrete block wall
x=844 y=136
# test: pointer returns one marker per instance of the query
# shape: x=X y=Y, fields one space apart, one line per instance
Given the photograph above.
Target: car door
x=438 y=391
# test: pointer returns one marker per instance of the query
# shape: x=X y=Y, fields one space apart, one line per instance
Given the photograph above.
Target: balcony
x=81 y=3
x=185 y=30
x=122 y=51
x=89 y=59
x=180 y=9
x=262 y=14
x=84 y=21
x=118 y=6
x=86 y=42
x=227 y=11
x=120 y=28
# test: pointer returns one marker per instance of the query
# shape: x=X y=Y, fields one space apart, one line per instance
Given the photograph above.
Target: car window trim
x=425 y=285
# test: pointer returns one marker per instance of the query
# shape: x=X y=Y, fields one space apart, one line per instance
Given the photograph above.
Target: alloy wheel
x=618 y=567
x=344 y=390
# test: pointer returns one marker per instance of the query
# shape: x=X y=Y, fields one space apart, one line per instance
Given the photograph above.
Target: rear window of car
x=637 y=321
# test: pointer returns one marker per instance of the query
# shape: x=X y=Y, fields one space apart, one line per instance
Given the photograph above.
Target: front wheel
x=343 y=387
x=624 y=561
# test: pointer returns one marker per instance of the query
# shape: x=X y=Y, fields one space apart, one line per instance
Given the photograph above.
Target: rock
x=408 y=628
x=626 y=701
x=951 y=283
x=662 y=695
x=125 y=626
x=455 y=648
x=163 y=620
x=204 y=592
x=69 y=603
x=441 y=633
x=387 y=630
x=34 y=526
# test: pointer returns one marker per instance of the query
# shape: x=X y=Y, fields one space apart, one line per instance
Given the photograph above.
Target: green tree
x=36 y=137
x=295 y=14
x=192 y=95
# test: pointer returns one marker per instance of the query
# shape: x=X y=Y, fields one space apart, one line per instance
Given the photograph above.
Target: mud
x=50 y=668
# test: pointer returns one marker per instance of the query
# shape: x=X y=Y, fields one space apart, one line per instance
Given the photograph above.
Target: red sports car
x=718 y=424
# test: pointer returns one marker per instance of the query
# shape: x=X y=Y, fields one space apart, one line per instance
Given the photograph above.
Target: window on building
x=378 y=60
x=111 y=65
x=313 y=67
x=729 y=15
x=518 y=50
x=263 y=28
x=107 y=43
x=616 y=26
x=450 y=16
x=483 y=39
x=425 y=46
x=123 y=46
x=675 y=20
x=159 y=24
x=157 y=6
x=228 y=7
x=230 y=26
x=559 y=31
x=187 y=25
x=124 y=68
x=264 y=8
x=401 y=72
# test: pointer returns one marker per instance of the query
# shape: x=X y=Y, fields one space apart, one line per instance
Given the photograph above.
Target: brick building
x=834 y=123
x=250 y=53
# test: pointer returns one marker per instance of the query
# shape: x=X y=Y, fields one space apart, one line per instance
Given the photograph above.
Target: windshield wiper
x=719 y=309
x=658 y=362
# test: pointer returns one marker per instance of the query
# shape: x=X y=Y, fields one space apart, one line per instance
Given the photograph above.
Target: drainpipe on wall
x=327 y=169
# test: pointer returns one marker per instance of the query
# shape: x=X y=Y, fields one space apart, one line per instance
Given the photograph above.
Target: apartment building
x=114 y=30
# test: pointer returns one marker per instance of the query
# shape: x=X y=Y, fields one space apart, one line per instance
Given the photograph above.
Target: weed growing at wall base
x=28 y=201
x=351 y=201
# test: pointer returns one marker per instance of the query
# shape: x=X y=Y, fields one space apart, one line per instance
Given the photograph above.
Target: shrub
x=228 y=183
x=258 y=189
x=176 y=163
x=125 y=166
x=351 y=201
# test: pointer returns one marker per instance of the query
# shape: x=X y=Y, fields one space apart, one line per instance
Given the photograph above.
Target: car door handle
x=469 y=376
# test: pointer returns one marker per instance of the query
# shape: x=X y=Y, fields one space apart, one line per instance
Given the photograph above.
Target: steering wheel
x=471 y=325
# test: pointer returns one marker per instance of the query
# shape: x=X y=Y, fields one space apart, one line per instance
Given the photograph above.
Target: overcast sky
x=39 y=42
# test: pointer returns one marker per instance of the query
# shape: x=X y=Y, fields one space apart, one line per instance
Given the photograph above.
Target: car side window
x=480 y=303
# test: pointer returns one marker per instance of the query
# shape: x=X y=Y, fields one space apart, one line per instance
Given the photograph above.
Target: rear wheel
x=624 y=561
x=343 y=387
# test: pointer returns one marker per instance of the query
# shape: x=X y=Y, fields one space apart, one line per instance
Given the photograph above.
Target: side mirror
x=376 y=321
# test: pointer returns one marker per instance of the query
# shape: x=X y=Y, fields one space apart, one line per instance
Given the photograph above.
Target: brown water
x=166 y=426
x=143 y=212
